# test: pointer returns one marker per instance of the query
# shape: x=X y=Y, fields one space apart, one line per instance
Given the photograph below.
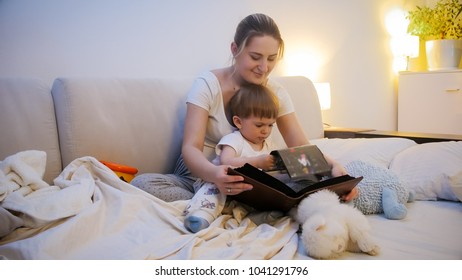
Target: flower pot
x=443 y=54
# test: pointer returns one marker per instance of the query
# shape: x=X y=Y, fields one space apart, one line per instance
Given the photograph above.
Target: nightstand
x=344 y=132
x=339 y=132
x=430 y=102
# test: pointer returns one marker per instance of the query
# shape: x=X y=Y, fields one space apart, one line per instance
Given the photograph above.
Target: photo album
x=298 y=172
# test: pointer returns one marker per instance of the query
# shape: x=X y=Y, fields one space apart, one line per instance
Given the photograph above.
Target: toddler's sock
x=195 y=224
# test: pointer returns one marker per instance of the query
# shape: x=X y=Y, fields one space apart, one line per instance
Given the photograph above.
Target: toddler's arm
x=228 y=157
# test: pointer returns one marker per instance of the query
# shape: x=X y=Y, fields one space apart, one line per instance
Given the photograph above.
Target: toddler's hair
x=254 y=100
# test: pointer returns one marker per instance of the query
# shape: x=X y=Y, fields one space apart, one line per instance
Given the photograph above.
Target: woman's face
x=257 y=59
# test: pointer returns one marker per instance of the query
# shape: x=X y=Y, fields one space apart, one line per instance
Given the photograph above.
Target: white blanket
x=37 y=203
x=92 y=214
x=22 y=172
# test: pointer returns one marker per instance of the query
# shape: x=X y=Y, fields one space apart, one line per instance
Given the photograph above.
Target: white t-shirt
x=206 y=93
x=241 y=146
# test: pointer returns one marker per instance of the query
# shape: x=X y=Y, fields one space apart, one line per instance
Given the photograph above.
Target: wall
x=341 y=42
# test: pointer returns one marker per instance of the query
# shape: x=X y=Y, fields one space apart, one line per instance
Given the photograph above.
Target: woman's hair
x=257 y=25
x=253 y=100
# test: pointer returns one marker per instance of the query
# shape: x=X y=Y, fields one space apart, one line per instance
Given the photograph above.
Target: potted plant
x=440 y=27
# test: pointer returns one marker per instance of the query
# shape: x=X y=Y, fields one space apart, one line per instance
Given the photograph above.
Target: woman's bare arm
x=291 y=130
x=195 y=160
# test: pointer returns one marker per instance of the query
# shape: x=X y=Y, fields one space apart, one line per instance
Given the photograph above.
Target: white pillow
x=432 y=170
x=378 y=151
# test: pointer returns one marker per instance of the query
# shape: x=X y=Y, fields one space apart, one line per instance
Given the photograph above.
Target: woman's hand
x=229 y=184
x=351 y=195
x=339 y=170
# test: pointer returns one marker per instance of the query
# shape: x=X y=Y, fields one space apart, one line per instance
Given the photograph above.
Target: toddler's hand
x=266 y=162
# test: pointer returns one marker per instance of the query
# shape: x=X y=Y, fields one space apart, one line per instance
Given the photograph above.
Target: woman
x=256 y=49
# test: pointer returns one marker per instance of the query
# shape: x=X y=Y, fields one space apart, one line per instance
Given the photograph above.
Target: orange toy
x=125 y=173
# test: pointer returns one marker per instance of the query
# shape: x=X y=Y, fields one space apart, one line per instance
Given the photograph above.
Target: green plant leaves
x=443 y=21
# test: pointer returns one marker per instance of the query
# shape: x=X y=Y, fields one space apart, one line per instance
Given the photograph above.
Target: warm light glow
x=407 y=46
x=302 y=64
x=396 y=23
x=402 y=46
x=400 y=63
x=323 y=90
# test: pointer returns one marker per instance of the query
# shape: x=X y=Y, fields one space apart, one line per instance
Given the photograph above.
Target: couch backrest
x=27 y=121
x=139 y=122
x=136 y=122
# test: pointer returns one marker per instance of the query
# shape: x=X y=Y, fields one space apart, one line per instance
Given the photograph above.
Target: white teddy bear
x=330 y=227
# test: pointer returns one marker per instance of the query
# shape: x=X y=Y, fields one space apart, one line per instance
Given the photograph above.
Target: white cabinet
x=430 y=102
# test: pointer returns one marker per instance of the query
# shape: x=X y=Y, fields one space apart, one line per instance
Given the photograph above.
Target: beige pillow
x=378 y=151
x=432 y=170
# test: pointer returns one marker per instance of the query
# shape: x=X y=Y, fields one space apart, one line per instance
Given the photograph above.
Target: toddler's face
x=256 y=129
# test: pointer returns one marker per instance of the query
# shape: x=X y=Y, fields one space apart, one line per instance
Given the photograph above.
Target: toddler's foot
x=195 y=224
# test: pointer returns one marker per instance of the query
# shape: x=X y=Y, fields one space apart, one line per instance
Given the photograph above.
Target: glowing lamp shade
x=407 y=46
x=411 y=46
x=403 y=48
x=323 y=90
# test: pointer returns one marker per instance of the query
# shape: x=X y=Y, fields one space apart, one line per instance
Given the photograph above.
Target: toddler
x=253 y=111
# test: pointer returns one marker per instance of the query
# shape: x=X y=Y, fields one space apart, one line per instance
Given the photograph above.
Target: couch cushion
x=27 y=121
x=136 y=122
